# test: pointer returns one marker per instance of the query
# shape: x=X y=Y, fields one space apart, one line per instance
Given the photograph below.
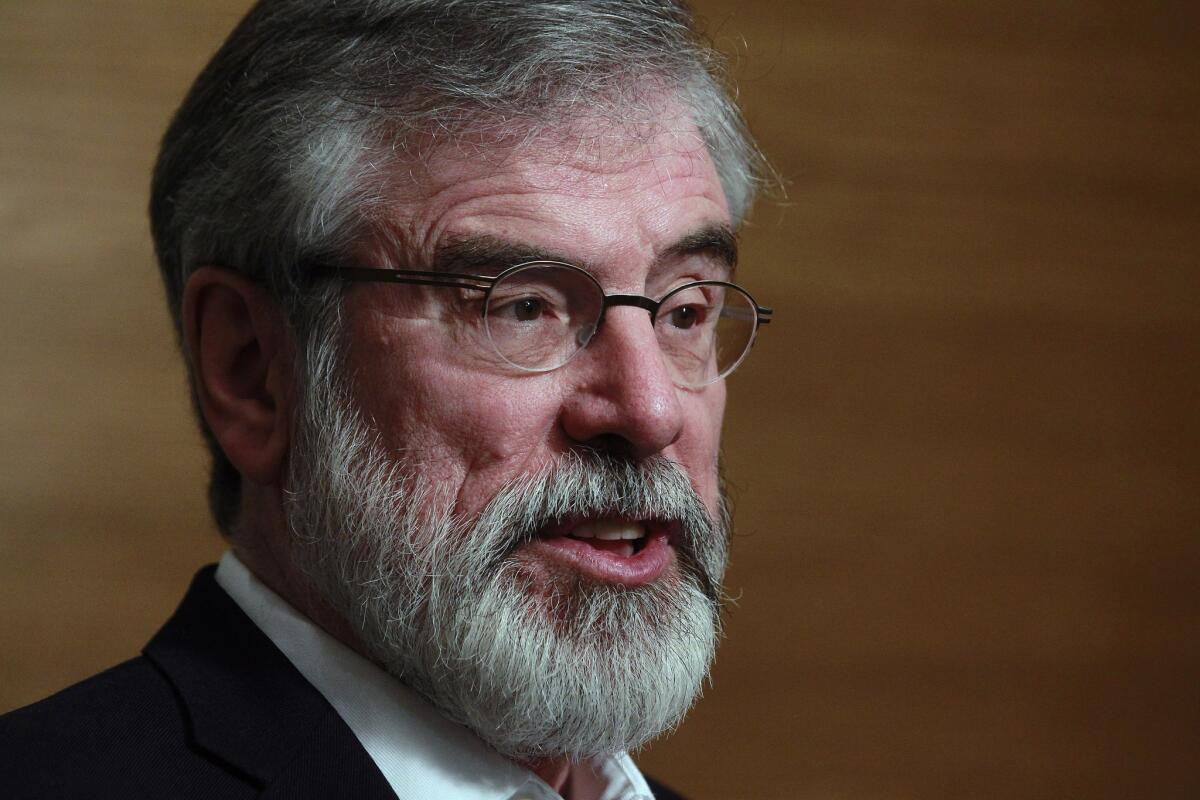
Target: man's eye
x=685 y=316
x=527 y=309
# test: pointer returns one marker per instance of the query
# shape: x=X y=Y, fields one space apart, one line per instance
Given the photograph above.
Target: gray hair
x=282 y=152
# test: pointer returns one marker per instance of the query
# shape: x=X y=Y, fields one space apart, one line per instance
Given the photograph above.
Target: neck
x=554 y=771
x=262 y=545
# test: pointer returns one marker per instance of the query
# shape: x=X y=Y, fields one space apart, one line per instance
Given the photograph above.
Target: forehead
x=595 y=191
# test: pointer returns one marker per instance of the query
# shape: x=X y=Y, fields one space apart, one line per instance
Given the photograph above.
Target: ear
x=240 y=359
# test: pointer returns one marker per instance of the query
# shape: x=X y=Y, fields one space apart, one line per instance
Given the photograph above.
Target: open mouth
x=628 y=552
x=620 y=538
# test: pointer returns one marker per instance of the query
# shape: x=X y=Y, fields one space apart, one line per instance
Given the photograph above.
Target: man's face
x=458 y=511
x=471 y=424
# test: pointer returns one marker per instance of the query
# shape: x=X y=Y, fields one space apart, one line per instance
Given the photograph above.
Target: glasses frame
x=486 y=283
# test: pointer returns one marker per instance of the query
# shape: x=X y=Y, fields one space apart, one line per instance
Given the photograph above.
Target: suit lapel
x=251 y=710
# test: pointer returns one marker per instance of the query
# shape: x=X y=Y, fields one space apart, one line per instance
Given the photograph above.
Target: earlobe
x=239 y=354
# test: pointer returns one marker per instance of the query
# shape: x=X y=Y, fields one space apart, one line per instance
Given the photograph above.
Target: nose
x=623 y=399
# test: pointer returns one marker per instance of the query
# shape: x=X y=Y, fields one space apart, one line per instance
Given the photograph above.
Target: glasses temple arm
x=422 y=278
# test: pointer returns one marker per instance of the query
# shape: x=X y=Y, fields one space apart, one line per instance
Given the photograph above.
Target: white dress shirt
x=420 y=753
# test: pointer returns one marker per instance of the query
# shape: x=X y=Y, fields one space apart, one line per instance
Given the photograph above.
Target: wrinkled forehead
x=597 y=168
x=658 y=132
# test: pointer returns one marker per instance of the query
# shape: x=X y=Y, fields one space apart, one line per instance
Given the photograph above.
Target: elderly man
x=452 y=283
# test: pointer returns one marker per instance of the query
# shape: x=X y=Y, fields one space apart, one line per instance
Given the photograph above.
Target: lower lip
x=644 y=566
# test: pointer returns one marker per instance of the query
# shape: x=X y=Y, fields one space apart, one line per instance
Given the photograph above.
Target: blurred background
x=965 y=457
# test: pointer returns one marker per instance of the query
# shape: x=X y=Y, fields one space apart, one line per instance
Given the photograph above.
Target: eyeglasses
x=540 y=314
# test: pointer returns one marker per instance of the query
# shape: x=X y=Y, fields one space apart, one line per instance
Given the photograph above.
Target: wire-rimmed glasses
x=539 y=314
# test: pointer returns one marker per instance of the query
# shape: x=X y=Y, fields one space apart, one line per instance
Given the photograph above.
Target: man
x=452 y=284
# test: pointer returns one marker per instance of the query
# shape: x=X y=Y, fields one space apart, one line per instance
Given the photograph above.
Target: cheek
x=467 y=431
x=699 y=448
x=471 y=431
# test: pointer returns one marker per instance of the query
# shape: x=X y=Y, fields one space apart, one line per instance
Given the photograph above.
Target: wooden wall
x=966 y=456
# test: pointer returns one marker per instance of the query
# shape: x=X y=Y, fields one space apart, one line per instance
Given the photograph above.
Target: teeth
x=610 y=531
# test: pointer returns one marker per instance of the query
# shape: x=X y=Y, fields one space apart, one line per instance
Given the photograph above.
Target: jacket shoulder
x=122 y=732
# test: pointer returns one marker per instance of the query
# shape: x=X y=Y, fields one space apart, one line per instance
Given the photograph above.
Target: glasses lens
x=542 y=314
x=705 y=330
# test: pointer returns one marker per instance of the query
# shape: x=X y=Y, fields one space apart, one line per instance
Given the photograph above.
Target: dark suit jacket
x=211 y=709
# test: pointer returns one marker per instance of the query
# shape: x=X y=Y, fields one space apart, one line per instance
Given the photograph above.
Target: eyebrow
x=717 y=242
x=488 y=255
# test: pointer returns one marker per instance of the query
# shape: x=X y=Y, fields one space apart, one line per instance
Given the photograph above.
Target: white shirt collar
x=419 y=752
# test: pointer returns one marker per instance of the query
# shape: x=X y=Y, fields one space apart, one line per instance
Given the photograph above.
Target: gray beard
x=563 y=666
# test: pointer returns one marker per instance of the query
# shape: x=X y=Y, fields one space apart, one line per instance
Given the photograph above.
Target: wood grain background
x=966 y=456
